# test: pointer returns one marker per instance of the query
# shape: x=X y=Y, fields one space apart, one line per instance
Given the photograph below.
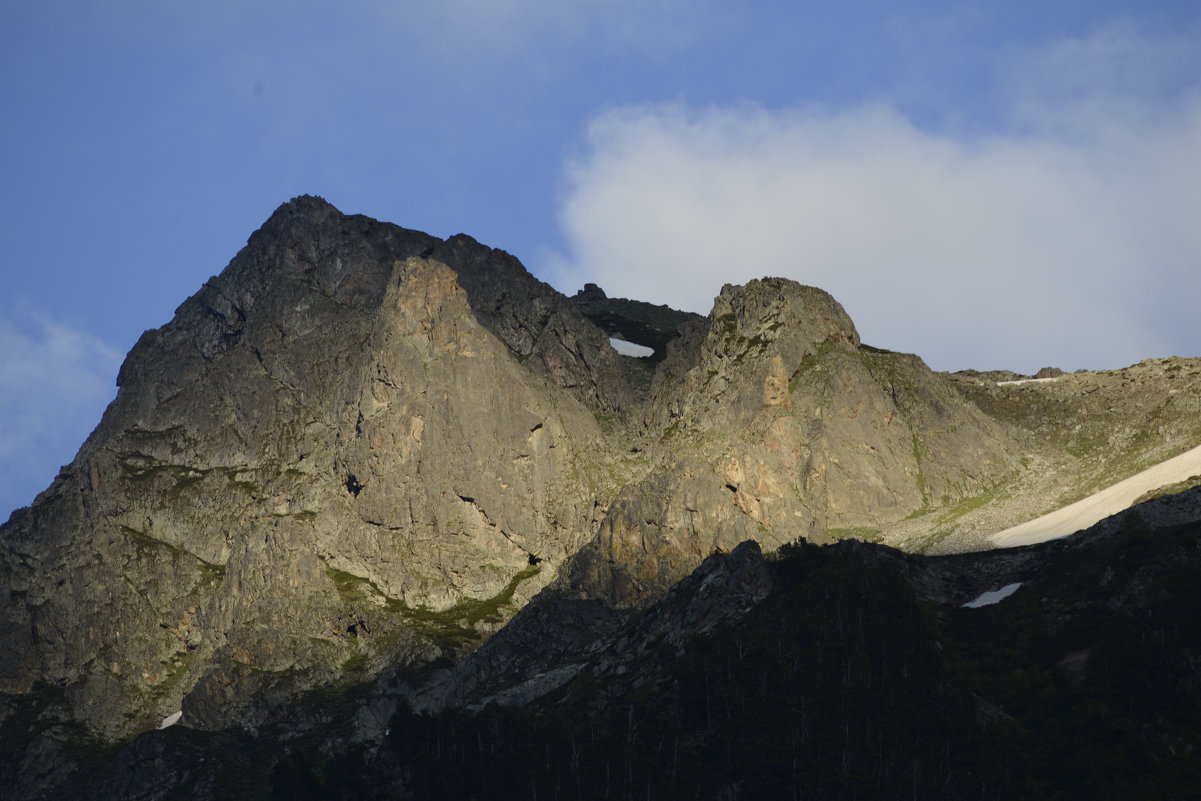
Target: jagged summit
x=359 y=450
x=349 y=412
x=304 y=204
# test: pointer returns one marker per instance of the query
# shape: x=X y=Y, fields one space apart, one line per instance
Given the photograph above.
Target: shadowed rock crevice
x=633 y=320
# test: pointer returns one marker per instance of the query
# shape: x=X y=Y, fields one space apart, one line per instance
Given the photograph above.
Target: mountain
x=366 y=471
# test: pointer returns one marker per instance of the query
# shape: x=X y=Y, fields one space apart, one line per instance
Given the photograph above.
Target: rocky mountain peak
x=359 y=450
x=764 y=306
x=352 y=428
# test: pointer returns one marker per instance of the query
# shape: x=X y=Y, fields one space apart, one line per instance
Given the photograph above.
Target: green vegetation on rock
x=447 y=628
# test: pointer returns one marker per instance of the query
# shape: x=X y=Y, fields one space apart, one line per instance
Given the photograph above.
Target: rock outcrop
x=777 y=424
x=356 y=453
x=633 y=320
x=356 y=446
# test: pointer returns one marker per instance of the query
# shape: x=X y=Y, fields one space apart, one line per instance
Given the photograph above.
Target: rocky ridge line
x=361 y=450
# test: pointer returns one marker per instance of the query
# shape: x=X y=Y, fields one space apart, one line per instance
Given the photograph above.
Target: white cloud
x=656 y=23
x=54 y=384
x=1072 y=242
x=1119 y=63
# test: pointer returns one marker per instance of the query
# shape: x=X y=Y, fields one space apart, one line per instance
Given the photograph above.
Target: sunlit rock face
x=352 y=422
x=360 y=450
x=775 y=423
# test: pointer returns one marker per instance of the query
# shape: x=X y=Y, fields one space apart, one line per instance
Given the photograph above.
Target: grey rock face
x=327 y=462
x=776 y=423
x=590 y=292
x=362 y=449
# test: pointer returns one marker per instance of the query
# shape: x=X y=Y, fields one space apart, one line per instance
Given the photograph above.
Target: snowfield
x=1021 y=381
x=1100 y=505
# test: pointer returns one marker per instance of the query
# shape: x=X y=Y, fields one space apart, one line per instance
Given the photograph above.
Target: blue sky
x=988 y=184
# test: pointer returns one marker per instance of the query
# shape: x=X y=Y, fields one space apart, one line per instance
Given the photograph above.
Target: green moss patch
x=174 y=669
x=140 y=467
x=447 y=628
x=210 y=572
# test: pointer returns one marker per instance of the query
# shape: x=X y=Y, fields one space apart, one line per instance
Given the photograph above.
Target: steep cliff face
x=356 y=446
x=811 y=671
x=362 y=449
x=773 y=422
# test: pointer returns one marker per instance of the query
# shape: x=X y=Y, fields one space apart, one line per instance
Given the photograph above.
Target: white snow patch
x=171 y=719
x=1100 y=505
x=1027 y=381
x=993 y=596
x=630 y=349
